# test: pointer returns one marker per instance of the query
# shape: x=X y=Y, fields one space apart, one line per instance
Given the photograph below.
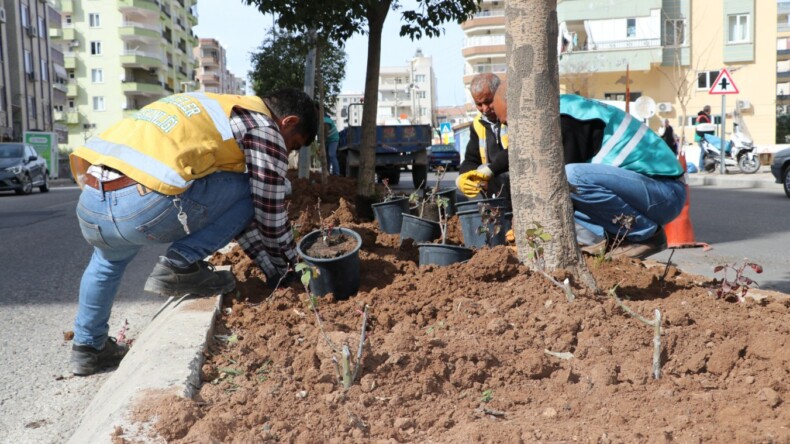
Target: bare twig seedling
x=655 y=324
x=536 y=238
x=346 y=368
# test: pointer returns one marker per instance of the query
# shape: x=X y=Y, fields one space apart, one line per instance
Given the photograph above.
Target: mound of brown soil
x=468 y=353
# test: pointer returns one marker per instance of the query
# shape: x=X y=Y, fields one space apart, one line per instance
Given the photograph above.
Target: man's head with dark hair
x=296 y=116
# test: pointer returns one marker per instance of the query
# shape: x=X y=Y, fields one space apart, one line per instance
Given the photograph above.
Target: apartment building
x=408 y=93
x=658 y=43
x=26 y=68
x=122 y=55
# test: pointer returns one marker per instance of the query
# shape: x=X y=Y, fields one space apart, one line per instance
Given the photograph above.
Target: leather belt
x=111 y=185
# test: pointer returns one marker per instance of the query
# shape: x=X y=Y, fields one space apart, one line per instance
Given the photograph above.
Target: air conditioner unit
x=2 y=15
x=664 y=107
x=74 y=43
x=31 y=31
x=743 y=104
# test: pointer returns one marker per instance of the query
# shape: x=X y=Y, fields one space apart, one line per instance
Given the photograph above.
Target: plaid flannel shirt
x=268 y=240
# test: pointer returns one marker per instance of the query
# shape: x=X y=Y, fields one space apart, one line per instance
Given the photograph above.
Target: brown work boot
x=596 y=249
x=640 y=250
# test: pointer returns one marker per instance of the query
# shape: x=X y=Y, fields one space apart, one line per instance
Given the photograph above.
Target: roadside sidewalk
x=760 y=179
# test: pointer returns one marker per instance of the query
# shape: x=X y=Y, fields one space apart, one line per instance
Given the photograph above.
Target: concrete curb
x=166 y=357
x=757 y=180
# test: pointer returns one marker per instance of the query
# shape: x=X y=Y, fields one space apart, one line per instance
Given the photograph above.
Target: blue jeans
x=118 y=223
x=602 y=192
x=331 y=152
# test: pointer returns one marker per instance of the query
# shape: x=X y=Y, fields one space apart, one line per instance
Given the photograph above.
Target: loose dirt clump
x=474 y=352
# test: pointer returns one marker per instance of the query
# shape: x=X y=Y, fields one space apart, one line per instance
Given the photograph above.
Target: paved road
x=43 y=256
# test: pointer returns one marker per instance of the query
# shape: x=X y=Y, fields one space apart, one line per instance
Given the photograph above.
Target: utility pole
x=309 y=88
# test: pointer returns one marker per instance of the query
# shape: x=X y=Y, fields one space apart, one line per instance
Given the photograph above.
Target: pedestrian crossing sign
x=723 y=84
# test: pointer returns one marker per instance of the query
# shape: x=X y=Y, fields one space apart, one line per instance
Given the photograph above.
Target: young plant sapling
x=731 y=287
x=441 y=205
x=429 y=196
x=490 y=221
x=346 y=368
x=655 y=324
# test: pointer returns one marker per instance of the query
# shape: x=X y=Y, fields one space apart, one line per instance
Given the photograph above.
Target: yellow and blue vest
x=171 y=142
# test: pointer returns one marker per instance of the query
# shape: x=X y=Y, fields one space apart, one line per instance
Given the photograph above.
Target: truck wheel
x=419 y=175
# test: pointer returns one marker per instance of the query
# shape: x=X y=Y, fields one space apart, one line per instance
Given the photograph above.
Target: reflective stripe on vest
x=214 y=110
x=480 y=129
x=138 y=160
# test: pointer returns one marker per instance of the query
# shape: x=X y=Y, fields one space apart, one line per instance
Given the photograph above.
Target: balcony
x=140 y=31
x=782 y=76
x=147 y=7
x=69 y=60
x=72 y=117
x=497 y=68
x=613 y=56
x=209 y=61
x=71 y=89
x=67 y=6
x=140 y=88
x=58 y=116
x=61 y=87
x=69 y=33
x=488 y=45
x=208 y=79
x=56 y=34
x=486 y=19
x=141 y=59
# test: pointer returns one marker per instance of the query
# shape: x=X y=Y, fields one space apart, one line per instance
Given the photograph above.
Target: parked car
x=21 y=169
x=443 y=155
x=780 y=168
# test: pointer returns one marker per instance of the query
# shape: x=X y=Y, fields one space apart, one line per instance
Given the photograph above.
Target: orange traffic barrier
x=680 y=233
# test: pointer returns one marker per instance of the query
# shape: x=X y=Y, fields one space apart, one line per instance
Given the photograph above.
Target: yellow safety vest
x=171 y=142
x=480 y=129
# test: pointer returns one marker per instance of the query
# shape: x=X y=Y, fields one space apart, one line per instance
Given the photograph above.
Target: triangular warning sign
x=723 y=84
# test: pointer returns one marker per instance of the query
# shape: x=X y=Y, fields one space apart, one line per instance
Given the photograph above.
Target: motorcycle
x=739 y=151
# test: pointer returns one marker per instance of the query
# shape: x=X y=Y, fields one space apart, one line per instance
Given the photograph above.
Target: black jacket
x=495 y=152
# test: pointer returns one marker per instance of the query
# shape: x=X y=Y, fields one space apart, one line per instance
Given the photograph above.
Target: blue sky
x=241 y=29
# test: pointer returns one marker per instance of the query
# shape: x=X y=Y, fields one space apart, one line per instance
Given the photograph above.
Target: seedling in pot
x=490 y=221
x=430 y=196
x=441 y=204
x=740 y=284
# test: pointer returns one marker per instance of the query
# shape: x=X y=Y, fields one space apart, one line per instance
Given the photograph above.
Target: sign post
x=723 y=86
x=46 y=145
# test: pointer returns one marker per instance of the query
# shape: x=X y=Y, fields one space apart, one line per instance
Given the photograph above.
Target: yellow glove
x=471 y=182
x=509 y=236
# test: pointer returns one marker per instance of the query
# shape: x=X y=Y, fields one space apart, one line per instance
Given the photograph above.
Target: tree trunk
x=539 y=186
x=377 y=13
x=319 y=77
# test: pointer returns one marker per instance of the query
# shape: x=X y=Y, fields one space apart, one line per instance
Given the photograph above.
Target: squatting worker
x=615 y=165
x=195 y=170
x=485 y=165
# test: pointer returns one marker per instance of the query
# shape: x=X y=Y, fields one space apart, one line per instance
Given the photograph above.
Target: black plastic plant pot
x=337 y=275
x=449 y=194
x=497 y=202
x=389 y=214
x=470 y=227
x=441 y=254
x=420 y=230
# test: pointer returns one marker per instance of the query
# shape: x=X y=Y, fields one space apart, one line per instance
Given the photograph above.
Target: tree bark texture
x=377 y=13
x=319 y=77
x=539 y=186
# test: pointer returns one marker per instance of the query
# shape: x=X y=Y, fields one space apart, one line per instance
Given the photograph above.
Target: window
x=28 y=62
x=421 y=94
x=44 y=70
x=42 y=27
x=71 y=105
x=25 y=17
x=620 y=96
x=630 y=27
x=705 y=79
x=31 y=106
x=95 y=48
x=674 y=32
x=67 y=20
x=94 y=20
x=738 y=28
x=71 y=74
x=423 y=111
x=98 y=103
x=419 y=78
x=97 y=75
